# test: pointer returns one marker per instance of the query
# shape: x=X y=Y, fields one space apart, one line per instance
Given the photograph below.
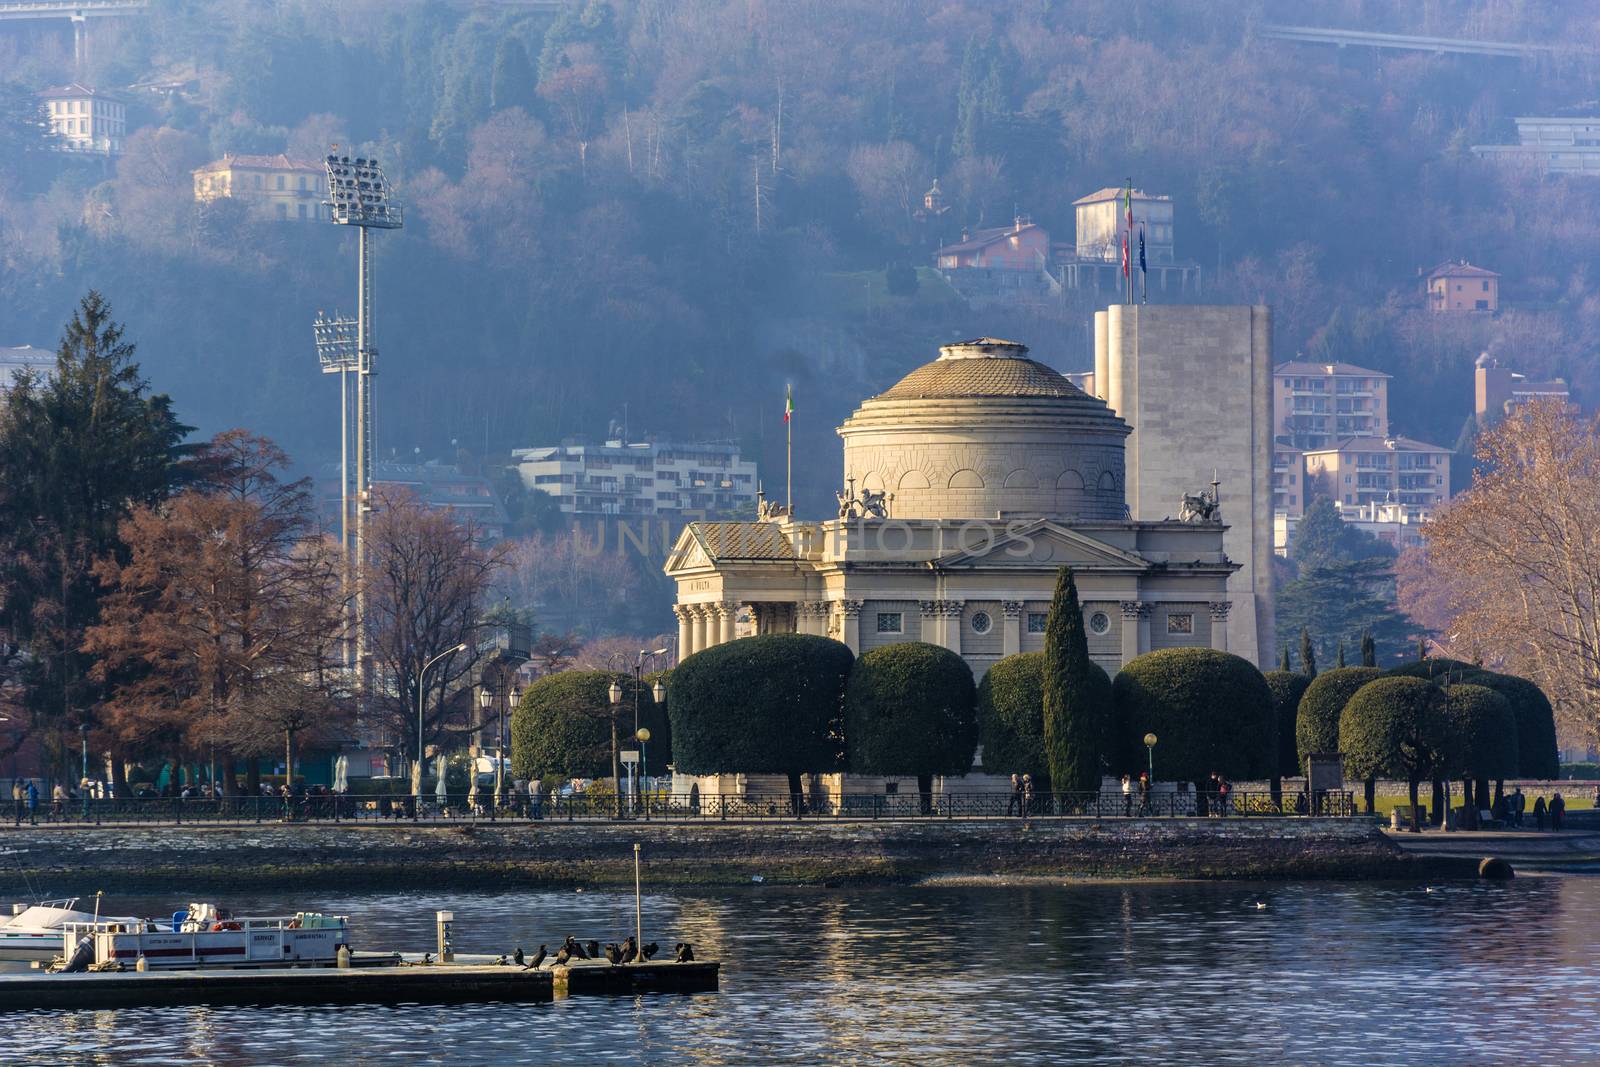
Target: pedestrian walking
x=1144 y=792
x=1519 y=804
x=1014 y=804
x=58 y=801
x=1558 y=813
x=1127 y=796
x=33 y=804
x=19 y=798
x=1538 y=813
x=1223 y=788
x=536 y=798
x=1027 y=793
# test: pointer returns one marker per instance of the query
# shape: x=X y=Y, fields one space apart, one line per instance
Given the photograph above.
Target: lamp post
x=659 y=693
x=422 y=689
x=1150 y=750
x=638 y=684
x=642 y=734
x=486 y=698
x=614 y=694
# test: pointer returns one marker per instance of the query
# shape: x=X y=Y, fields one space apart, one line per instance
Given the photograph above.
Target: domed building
x=967 y=485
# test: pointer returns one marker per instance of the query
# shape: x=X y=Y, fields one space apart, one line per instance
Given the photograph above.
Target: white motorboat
x=204 y=936
x=34 y=931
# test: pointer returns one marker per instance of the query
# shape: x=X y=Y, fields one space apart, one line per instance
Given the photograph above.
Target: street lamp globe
x=516 y=695
x=1150 y=740
x=485 y=698
x=643 y=734
x=659 y=691
x=614 y=693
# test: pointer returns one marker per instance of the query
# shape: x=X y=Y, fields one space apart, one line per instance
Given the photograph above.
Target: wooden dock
x=451 y=983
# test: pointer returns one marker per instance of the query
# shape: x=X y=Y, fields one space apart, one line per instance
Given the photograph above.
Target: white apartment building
x=86 y=120
x=642 y=478
x=1393 y=524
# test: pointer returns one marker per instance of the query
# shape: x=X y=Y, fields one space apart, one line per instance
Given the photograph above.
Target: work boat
x=204 y=936
x=34 y=931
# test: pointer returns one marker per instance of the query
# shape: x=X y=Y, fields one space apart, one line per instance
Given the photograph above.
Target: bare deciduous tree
x=1521 y=549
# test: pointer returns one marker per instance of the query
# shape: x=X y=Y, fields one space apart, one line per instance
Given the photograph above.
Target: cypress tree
x=1283 y=662
x=1341 y=652
x=1073 y=707
x=1369 y=650
x=1308 y=654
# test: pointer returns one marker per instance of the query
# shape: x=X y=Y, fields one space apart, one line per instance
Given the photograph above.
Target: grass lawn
x=1575 y=801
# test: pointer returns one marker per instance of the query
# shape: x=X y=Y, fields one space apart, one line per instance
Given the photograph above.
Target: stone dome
x=983 y=432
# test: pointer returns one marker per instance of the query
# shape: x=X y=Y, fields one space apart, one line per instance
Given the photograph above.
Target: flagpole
x=788 y=426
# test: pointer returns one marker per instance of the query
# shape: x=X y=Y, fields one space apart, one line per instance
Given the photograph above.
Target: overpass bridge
x=78 y=11
x=1408 y=42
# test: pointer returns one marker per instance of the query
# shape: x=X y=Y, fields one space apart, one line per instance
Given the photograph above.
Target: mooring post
x=442 y=923
x=638 y=908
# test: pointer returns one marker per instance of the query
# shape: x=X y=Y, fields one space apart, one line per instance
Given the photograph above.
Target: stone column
x=702 y=620
x=850 y=616
x=1135 y=629
x=729 y=611
x=1219 y=625
x=932 y=622
x=685 y=630
x=949 y=613
x=811 y=617
x=1011 y=638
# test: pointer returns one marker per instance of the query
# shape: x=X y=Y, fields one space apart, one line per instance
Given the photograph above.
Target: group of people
x=1143 y=786
x=1511 y=808
x=1021 y=802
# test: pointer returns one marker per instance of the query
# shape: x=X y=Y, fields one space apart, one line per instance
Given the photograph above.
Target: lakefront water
x=1086 y=973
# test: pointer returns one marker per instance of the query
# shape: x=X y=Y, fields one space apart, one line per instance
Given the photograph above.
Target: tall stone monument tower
x=1195 y=383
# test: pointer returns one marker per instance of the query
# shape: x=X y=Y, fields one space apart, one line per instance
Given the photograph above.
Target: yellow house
x=86 y=120
x=1462 y=287
x=276 y=187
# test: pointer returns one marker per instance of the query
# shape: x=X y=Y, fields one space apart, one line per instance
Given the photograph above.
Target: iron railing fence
x=688 y=807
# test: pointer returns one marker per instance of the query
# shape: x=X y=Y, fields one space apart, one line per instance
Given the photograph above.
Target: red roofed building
x=277 y=187
x=1020 y=246
x=1460 y=286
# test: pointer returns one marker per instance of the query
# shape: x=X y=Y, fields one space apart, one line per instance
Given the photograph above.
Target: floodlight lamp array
x=337 y=345
x=359 y=195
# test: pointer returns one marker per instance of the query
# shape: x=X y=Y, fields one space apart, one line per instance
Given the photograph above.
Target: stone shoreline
x=66 y=860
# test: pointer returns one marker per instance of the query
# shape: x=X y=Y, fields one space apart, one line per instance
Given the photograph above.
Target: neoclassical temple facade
x=967 y=485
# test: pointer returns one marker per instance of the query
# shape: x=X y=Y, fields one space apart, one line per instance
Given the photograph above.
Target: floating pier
x=448 y=983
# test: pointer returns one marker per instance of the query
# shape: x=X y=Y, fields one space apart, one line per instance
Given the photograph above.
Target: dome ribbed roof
x=979 y=368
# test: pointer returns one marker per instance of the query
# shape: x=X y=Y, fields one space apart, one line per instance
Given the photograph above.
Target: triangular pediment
x=1041 y=543
x=687 y=554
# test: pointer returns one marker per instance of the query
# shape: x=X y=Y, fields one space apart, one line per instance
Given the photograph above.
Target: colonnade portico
x=701 y=626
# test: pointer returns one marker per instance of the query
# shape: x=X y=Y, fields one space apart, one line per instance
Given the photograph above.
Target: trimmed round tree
x=1077 y=704
x=1011 y=717
x=562 y=727
x=1316 y=727
x=1287 y=689
x=1537 y=755
x=771 y=704
x=1397 y=728
x=1210 y=711
x=909 y=708
x=1482 y=740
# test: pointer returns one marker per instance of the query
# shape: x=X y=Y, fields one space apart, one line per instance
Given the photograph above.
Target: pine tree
x=1074 y=706
x=1283 y=663
x=1369 y=650
x=512 y=82
x=1341 y=652
x=1308 y=654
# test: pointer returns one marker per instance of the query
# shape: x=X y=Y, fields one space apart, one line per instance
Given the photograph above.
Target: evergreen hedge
x=1317 y=720
x=562 y=727
x=1394 y=728
x=1537 y=751
x=1287 y=689
x=1210 y=711
x=1077 y=704
x=909 y=708
x=771 y=704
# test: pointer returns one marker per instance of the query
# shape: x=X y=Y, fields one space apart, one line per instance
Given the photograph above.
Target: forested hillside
x=662 y=210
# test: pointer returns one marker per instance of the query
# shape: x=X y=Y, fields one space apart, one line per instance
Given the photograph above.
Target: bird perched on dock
x=572 y=948
x=563 y=956
x=502 y=961
x=613 y=954
x=650 y=950
x=517 y=956
x=593 y=950
x=538 y=958
x=630 y=949
x=685 y=952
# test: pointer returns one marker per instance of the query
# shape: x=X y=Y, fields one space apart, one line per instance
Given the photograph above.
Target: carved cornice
x=850 y=609
x=1012 y=608
x=1135 y=609
x=1220 y=609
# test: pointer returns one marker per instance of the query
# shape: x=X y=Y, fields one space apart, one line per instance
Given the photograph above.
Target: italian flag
x=788 y=402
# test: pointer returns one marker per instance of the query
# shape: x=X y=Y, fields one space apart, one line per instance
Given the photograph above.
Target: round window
x=981 y=622
x=1099 y=623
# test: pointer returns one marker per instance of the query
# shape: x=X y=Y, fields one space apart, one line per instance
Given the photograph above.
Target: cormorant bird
x=630 y=949
x=613 y=955
x=517 y=956
x=685 y=952
x=501 y=962
x=593 y=950
x=650 y=950
x=573 y=948
x=538 y=958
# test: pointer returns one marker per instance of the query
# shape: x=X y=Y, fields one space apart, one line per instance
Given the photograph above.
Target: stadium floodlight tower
x=336 y=351
x=359 y=196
